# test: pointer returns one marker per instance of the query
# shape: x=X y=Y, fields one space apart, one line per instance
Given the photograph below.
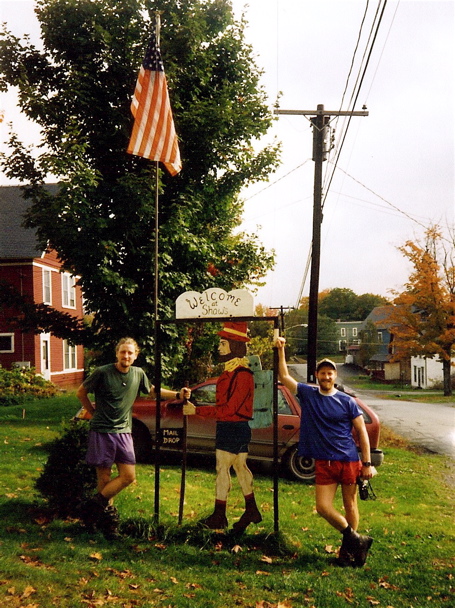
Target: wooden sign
x=213 y=303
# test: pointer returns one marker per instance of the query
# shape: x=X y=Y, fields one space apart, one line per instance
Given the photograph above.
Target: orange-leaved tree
x=424 y=313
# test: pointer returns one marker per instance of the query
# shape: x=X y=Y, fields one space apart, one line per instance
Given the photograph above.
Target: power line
x=276 y=181
x=359 y=86
x=413 y=219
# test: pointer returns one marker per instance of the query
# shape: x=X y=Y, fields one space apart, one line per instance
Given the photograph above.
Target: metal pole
x=184 y=459
x=276 y=519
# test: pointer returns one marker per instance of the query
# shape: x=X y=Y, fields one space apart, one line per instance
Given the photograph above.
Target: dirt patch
x=390 y=439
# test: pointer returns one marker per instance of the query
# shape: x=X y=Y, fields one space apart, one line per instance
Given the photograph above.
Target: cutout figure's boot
x=251 y=515
x=217 y=520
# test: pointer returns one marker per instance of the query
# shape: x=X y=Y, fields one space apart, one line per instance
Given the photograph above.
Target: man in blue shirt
x=327 y=419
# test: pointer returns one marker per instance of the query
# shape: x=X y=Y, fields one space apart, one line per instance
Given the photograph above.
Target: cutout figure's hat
x=237 y=331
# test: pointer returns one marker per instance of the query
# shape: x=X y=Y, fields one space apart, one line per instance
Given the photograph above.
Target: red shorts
x=335 y=471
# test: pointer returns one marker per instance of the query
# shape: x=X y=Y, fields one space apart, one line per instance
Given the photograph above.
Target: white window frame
x=11 y=336
x=47 y=286
x=68 y=291
x=354 y=332
x=343 y=332
x=69 y=356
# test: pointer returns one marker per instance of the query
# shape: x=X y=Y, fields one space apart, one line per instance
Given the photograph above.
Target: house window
x=380 y=336
x=354 y=332
x=69 y=355
x=343 y=332
x=47 y=294
x=342 y=344
x=6 y=343
x=69 y=291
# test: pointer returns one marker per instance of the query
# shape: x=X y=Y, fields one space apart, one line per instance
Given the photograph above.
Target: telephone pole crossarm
x=319 y=112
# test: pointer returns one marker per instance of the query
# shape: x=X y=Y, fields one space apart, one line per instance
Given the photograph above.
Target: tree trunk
x=446 y=369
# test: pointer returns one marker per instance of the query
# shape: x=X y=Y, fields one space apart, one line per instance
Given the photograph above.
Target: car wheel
x=142 y=441
x=298 y=467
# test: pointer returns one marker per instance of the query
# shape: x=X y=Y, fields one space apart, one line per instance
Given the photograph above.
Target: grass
x=45 y=563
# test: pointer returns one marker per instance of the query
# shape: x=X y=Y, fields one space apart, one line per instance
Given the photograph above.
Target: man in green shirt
x=110 y=442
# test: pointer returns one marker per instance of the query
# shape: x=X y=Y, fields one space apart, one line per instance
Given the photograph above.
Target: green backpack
x=263 y=394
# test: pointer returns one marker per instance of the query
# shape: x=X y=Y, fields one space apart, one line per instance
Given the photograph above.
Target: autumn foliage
x=424 y=313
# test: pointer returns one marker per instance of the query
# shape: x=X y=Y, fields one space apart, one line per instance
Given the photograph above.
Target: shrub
x=66 y=479
x=23 y=384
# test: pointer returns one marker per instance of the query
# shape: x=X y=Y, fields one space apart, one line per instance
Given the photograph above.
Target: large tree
x=78 y=88
x=424 y=315
x=344 y=304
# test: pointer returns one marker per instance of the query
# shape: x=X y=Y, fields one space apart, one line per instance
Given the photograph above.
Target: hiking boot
x=109 y=523
x=358 y=545
x=92 y=511
x=344 y=558
x=361 y=552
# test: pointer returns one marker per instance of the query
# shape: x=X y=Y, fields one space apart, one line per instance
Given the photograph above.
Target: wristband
x=366 y=464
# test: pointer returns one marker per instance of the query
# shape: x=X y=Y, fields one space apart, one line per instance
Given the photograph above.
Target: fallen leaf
x=262 y=572
x=193 y=586
x=329 y=549
x=96 y=557
x=267 y=560
x=236 y=548
x=28 y=592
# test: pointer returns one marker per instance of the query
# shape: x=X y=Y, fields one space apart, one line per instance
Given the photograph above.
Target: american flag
x=154 y=135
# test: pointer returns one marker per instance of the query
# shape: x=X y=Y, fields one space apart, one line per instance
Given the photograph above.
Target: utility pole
x=320 y=120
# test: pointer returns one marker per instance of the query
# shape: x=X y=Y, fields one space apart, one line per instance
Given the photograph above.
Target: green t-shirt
x=115 y=393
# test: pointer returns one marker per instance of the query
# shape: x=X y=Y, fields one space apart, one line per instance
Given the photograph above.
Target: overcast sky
x=395 y=173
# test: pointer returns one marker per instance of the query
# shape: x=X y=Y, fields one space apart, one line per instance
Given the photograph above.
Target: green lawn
x=47 y=563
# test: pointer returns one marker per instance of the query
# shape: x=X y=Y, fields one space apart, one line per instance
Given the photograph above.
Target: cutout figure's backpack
x=263 y=393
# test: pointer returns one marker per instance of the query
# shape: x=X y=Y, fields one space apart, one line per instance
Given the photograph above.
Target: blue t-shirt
x=326 y=424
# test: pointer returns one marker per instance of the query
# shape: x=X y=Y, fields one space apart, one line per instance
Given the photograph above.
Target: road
x=431 y=426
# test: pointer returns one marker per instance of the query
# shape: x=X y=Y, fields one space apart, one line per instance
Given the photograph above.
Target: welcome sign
x=213 y=303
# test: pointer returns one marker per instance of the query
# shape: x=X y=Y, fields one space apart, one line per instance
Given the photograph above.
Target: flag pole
x=154 y=137
x=157 y=354
x=157 y=336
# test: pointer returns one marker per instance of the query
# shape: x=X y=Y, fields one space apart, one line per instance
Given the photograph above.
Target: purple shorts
x=105 y=449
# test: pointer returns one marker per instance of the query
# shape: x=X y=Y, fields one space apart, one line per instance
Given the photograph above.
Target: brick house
x=36 y=274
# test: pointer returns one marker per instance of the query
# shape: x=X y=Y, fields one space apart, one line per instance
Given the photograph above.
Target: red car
x=201 y=431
